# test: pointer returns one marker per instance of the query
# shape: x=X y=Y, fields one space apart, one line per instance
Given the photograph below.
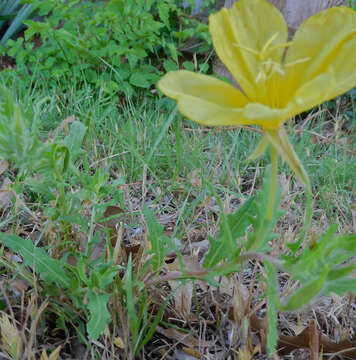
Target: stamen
x=260 y=76
x=269 y=42
x=297 y=62
x=254 y=52
x=278 y=68
x=275 y=47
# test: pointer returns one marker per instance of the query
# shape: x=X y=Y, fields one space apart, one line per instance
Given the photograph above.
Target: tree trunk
x=296 y=11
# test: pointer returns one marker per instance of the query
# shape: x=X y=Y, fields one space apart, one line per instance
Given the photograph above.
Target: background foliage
x=100 y=157
x=116 y=45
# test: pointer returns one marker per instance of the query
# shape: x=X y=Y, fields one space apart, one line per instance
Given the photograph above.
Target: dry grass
x=204 y=322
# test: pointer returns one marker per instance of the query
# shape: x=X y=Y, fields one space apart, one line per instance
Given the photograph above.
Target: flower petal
x=213 y=102
x=202 y=98
x=239 y=36
x=322 y=88
x=322 y=54
x=268 y=118
x=177 y=83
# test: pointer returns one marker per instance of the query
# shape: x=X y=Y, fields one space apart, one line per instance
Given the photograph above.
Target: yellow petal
x=241 y=33
x=266 y=117
x=213 y=102
x=322 y=54
x=202 y=98
x=182 y=82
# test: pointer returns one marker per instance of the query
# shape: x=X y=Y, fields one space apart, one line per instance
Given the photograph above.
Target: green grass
x=149 y=137
x=144 y=153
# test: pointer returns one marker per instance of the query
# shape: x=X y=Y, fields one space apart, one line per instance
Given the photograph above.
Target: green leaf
x=232 y=227
x=99 y=314
x=321 y=267
x=260 y=149
x=273 y=301
x=339 y=272
x=17 y=22
x=163 y=11
x=174 y=52
x=41 y=188
x=203 y=67
x=170 y=65
x=140 y=79
x=153 y=325
x=51 y=270
x=340 y=286
x=18 y=141
x=225 y=270
x=306 y=293
x=156 y=237
x=330 y=250
x=280 y=140
x=133 y=318
x=262 y=227
x=189 y=65
x=75 y=139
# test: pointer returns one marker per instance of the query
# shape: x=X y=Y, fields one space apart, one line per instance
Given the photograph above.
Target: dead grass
x=204 y=322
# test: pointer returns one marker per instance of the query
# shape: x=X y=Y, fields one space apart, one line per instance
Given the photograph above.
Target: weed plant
x=117 y=46
x=109 y=153
x=104 y=196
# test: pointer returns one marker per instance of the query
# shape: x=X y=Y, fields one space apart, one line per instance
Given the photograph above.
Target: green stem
x=307 y=218
x=274 y=182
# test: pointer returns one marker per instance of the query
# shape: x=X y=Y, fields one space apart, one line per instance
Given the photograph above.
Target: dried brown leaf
x=314 y=340
x=18 y=285
x=182 y=296
x=286 y=344
x=4 y=165
x=5 y=194
x=63 y=125
x=111 y=216
x=187 y=339
x=54 y=355
x=192 y=352
x=195 y=178
x=119 y=342
x=10 y=337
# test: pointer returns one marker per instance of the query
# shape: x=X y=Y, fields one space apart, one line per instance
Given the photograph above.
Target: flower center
x=271 y=70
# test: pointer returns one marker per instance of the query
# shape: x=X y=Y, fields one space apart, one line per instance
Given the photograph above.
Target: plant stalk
x=274 y=182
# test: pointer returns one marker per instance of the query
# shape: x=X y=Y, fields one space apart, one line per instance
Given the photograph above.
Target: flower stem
x=273 y=184
x=307 y=216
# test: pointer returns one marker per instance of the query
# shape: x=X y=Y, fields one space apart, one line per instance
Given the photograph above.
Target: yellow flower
x=278 y=79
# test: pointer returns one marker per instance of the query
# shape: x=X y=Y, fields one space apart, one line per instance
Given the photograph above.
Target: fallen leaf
x=64 y=124
x=195 y=178
x=187 y=339
x=112 y=216
x=4 y=165
x=119 y=342
x=54 y=355
x=18 y=285
x=182 y=296
x=314 y=340
x=10 y=337
x=192 y=352
x=287 y=344
x=44 y=355
x=244 y=354
x=5 y=194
